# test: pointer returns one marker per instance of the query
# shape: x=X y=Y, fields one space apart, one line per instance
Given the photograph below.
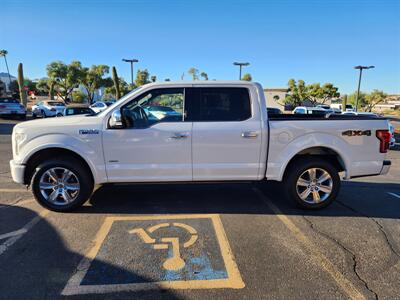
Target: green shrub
x=79 y=97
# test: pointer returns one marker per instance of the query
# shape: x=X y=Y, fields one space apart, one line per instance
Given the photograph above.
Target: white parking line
x=21 y=232
x=394 y=195
x=347 y=286
x=12 y=233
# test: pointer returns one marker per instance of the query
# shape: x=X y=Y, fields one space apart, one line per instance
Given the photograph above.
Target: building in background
x=6 y=80
x=275 y=97
x=2 y=89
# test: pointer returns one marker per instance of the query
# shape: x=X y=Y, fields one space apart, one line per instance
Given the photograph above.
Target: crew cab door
x=155 y=144
x=226 y=133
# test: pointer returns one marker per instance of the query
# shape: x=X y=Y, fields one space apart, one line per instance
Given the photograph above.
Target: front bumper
x=17 y=172
x=385 y=167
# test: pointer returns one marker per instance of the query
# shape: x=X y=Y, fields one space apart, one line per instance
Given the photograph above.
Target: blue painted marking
x=197 y=268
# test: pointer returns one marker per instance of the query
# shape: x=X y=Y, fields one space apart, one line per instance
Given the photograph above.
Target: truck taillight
x=384 y=137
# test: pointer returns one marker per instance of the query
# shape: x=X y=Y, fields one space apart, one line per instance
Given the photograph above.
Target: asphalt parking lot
x=230 y=241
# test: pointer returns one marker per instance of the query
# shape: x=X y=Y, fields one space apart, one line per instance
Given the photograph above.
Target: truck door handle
x=249 y=134
x=178 y=136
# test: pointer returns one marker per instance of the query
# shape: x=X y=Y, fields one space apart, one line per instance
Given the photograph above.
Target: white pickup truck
x=202 y=131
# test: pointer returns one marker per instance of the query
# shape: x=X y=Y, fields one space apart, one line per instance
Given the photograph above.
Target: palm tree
x=194 y=72
x=4 y=54
x=204 y=75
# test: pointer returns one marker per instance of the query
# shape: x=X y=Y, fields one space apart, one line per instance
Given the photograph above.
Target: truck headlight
x=19 y=139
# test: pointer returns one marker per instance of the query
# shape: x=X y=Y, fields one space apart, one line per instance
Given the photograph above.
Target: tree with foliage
x=315 y=93
x=297 y=92
x=142 y=77
x=65 y=76
x=194 y=72
x=374 y=98
x=93 y=78
x=110 y=92
x=321 y=94
x=167 y=79
x=79 y=97
x=204 y=75
x=153 y=78
x=362 y=99
x=247 y=77
x=366 y=101
x=46 y=86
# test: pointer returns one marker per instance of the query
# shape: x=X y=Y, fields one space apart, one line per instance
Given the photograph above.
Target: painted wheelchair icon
x=175 y=262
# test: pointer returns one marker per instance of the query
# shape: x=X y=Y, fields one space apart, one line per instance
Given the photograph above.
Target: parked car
x=48 y=108
x=273 y=111
x=163 y=112
x=305 y=110
x=324 y=106
x=329 y=109
x=100 y=106
x=393 y=139
x=71 y=110
x=339 y=106
x=361 y=113
x=12 y=108
x=224 y=135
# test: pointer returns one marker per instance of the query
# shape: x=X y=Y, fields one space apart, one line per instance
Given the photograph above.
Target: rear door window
x=219 y=104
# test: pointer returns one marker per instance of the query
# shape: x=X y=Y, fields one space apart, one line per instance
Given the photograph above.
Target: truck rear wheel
x=62 y=184
x=312 y=183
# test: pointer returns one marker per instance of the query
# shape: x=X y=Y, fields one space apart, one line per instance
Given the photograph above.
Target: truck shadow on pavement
x=356 y=199
x=39 y=265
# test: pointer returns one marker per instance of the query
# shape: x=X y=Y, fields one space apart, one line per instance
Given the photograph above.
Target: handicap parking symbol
x=149 y=252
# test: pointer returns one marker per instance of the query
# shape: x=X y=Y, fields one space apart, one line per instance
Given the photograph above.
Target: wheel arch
x=327 y=153
x=43 y=154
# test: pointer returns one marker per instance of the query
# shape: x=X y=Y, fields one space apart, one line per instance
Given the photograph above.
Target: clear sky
x=317 y=41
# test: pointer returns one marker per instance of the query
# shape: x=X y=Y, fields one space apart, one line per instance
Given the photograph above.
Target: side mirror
x=115 y=121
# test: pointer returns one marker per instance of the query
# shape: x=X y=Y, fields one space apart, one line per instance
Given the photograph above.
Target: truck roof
x=204 y=82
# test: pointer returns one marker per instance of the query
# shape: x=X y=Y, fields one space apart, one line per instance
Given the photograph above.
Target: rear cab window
x=218 y=104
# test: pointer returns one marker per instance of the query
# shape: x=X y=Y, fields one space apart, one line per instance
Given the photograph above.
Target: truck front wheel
x=312 y=182
x=61 y=184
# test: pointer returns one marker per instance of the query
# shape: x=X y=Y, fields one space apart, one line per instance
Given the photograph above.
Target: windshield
x=127 y=96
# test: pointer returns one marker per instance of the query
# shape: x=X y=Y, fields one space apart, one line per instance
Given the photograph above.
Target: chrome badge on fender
x=89 y=131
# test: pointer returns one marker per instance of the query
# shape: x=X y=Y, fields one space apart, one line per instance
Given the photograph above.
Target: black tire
x=59 y=115
x=43 y=113
x=34 y=116
x=82 y=174
x=298 y=168
x=23 y=117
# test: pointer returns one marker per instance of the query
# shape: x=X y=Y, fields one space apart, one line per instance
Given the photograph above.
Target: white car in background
x=305 y=110
x=393 y=139
x=12 y=107
x=48 y=108
x=100 y=106
x=349 y=107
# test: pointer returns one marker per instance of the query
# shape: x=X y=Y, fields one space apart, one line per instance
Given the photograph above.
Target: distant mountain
x=4 y=74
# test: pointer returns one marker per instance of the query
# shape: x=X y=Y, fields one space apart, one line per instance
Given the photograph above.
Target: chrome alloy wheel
x=59 y=186
x=314 y=185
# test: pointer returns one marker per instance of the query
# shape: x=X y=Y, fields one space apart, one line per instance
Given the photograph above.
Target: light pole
x=4 y=54
x=131 y=61
x=359 y=80
x=241 y=64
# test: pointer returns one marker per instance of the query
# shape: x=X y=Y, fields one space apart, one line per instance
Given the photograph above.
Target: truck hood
x=61 y=122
